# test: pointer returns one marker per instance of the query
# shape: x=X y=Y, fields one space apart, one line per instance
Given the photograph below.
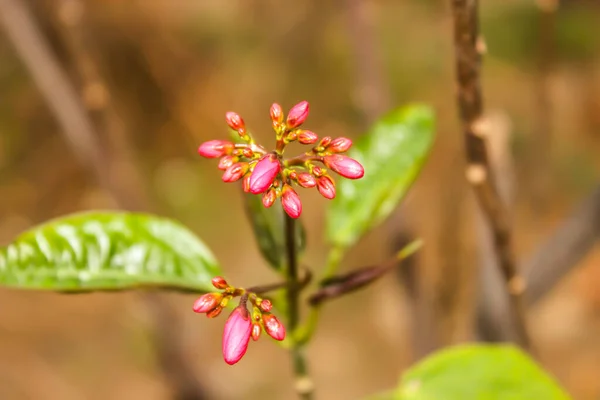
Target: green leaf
x=108 y=251
x=392 y=153
x=268 y=226
x=478 y=372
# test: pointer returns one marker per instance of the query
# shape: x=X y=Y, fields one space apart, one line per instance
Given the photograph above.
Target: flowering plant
x=108 y=250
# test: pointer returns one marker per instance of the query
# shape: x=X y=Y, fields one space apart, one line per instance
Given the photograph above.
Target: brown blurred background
x=154 y=78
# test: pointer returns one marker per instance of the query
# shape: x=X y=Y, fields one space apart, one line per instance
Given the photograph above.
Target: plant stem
x=469 y=47
x=303 y=384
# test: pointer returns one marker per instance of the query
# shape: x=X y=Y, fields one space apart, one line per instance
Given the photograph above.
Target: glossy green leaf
x=108 y=251
x=268 y=227
x=392 y=153
x=478 y=372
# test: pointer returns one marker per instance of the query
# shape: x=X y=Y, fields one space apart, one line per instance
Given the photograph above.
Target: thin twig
x=468 y=47
x=304 y=385
x=63 y=100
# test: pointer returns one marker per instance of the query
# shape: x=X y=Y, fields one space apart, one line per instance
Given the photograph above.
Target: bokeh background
x=155 y=78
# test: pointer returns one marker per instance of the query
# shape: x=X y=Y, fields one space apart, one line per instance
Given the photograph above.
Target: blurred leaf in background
x=392 y=153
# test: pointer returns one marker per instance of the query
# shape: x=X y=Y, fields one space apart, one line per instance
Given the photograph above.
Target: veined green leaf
x=108 y=251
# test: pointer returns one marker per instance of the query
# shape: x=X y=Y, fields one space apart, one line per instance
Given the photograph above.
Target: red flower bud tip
x=269 y=198
x=345 y=166
x=326 y=187
x=307 y=137
x=235 y=122
x=226 y=162
x=215 y=148
x=213 y=313
x=266 y=305
x=207 y=302
x=291 y=202
x=219 y=282
x=273 y=327
x=276 y=113
x=297 y=115
x=264 y=173
x=235 y=172
x=317 y=171
x=340 y=145
x=256 y=329
x=247 y=152
x=306 y=180
x=236 y=335
x=246 y=183
x=325 y=141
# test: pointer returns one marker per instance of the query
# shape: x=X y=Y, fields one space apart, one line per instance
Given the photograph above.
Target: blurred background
x=140 y=83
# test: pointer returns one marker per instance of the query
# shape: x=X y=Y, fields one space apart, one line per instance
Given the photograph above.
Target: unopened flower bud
x=317 y=171
x=247 y=152
x=269 y=198
x=306 y=180
x=226 y=162
x=256 y=330
x=215 y=148
x=345 y=166
x=219 y=282
x=276 y=114
x=291 y=202
x=214 y=312
x=236 y=335
x=325 y=141
x=207 y=302
x=264 y=173
x=307 y=137
x=235 y=122
x=297 y=115
x=326 y=187
x=246 y=183
x=235 y=172
x=266 y=305
x=273 y=326
x=340 y=145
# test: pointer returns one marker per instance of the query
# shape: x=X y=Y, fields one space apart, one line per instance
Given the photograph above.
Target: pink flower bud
x=235 y=172
x=297 y=115
x=215 y=148
x=256 y=330
x=214 y=312
x=266 y=305
x=226 y=162
x=306 y=180
x=264 y=173
x=269 y=198
x=326 y=187
x=291 y=202
x=276 y=113
x=345 y=166
x=207 y=302
x=219 y=282
x=307 y=137
x=340 y=145
x=236 y=335
x=273 y=327
x=235 y=122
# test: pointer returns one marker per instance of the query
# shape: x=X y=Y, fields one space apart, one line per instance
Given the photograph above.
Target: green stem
x=304 y=386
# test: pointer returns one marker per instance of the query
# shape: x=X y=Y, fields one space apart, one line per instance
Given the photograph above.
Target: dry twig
x=468 y=47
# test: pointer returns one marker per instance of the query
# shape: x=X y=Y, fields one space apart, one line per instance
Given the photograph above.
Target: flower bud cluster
x=241 y=324
x=273 y=176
